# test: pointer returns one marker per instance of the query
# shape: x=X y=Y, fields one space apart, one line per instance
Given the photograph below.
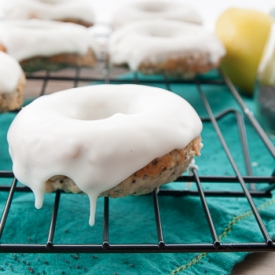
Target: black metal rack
x=160 y=245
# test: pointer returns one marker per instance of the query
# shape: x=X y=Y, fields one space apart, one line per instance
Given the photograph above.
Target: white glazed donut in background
x=161 y=43
x=97 y=136
x=24 y=39
x=150 y=10
x=48 y=45
x=79 y=11
x=12 y=83
x=10 y=73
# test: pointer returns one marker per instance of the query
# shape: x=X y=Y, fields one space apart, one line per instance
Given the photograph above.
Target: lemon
x=244 y=33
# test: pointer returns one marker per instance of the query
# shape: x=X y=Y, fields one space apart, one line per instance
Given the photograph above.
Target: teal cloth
x=132 y=218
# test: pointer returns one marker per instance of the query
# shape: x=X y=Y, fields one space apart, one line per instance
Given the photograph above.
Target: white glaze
x=48 y=10
x=24 y=39
x=160 y=39
x=152 y=10
x=10 y=73
x=97 y=135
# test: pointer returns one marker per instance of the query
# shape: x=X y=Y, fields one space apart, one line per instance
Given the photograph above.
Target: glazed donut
x=40 y=44
x=150 y=10
x=97 y=139
x=79 y=12
x=12 y=83
x=167 y=47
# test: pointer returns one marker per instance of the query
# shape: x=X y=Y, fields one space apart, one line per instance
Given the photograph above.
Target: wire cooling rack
x=103 y=74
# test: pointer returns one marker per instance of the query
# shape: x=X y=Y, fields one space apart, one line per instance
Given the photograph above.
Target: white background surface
x=209 y=9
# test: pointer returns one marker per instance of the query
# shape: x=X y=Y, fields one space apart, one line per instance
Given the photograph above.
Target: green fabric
x=132 y=218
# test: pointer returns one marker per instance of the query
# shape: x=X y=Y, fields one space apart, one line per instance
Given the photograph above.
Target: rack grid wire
x=104 y=75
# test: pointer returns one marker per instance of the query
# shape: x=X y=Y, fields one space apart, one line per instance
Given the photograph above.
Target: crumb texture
x=14 y=100
x=159 y=171
x=59 y=61
x=184 y=66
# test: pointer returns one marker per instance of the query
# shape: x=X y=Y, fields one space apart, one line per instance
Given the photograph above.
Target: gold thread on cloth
x=228 y=229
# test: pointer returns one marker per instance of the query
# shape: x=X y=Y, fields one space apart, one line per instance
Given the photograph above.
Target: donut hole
x=155 y=33
x=102 y=105
x=162 y=32
x=153 y=7
x=79 y=115
x=97 y=110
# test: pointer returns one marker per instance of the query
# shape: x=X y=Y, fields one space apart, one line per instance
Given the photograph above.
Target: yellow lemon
x=244 y=33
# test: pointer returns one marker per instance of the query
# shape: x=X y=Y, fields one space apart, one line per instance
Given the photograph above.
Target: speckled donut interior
x=159 y=171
